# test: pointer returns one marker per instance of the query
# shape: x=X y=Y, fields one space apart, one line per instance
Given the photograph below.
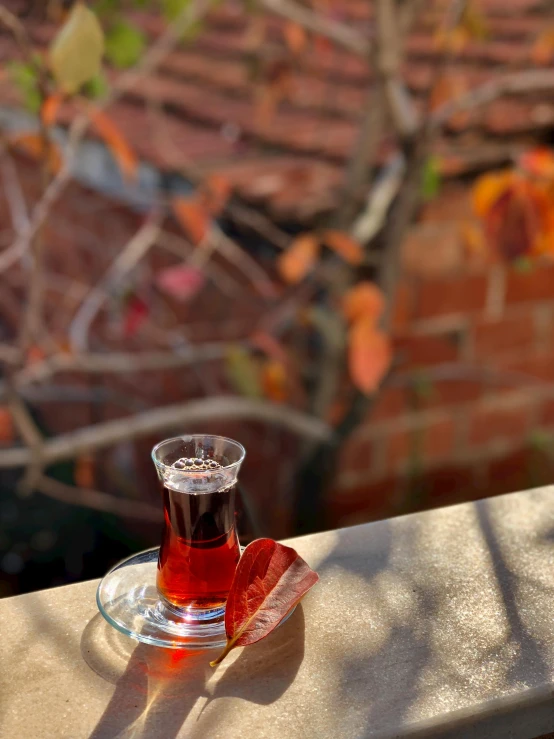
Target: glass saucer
x=128 y=599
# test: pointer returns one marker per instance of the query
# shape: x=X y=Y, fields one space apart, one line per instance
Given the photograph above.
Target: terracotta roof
x=200 y=106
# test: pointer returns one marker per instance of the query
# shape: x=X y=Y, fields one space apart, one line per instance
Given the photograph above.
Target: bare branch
x=127 y=258
x=535 y=80
x=221 y=408
x=243 y=261
x=119 y=362
x=14 y=193
x=341 y=34
x=42 y=208
x=98 y=501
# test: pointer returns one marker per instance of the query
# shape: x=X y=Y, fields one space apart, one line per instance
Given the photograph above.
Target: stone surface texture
x=435 y=624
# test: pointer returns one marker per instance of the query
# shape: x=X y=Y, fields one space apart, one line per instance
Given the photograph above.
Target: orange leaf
x=116 y=142
x=35 y=354
x=193 y=217
x=489 y=188
x=519 y=219
x=84 y=471
x=538 y=162
x=344 y=245
x=274 y=381
x=32 y=144
x=6 y=425
x=216 y=192
x=473 y=240
x=364 y=301
x=542 y=50
x=299 y=258
x=295 y=36
x=369 y=355
x=50 y=108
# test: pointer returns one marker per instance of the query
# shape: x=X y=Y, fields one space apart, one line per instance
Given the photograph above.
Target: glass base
x=128 y=599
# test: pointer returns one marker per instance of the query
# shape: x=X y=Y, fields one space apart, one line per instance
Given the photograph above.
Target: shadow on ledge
x=157 y=689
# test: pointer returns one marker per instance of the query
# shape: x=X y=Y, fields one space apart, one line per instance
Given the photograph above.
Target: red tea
x=200 y=549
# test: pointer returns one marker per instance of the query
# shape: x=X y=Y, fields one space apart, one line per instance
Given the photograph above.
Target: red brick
x=449 y=484
x=362 y=503
x=432 y=250
x=520 y=470
x=453 y=392
x=403 y=308
x=356 y=455
x=391 y=402
x=546 y=413
x=492 y=338
x=532 y=366
x=420 y=351
x=452 y=204
x=433 y=442
x=507 y=418
x=535 y=286
x=458 y=295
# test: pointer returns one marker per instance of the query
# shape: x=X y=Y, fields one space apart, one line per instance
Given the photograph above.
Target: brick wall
x=469 y=409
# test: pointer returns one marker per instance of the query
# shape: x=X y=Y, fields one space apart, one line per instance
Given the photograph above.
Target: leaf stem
x=230 y=644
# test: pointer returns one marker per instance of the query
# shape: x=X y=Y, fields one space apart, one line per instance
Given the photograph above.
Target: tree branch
x=341 y=34
x=535 y=80
x=98 y=501
x=222 y=408
x=127 y=258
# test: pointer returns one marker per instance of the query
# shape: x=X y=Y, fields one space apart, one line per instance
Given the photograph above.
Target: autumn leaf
x=516 y=213
x=274 y=381
x=365 y=300
x=542 y=50
x=473 y=240
x=192 y=216
x=269 y=345
x=34 y=355
x=181 y=283
x=343 y=245
x=76 y=52
x=295 y=37
x=297 y=261
x=7 y=433
x=84 y=471
x=216 y=191
x=50 y=108
x=115 y=141
x=488 y=189
x=269 y=581
x=135 y=314
x=538 y=162
x=369 y=355
x=243 y=372
x=33 y=145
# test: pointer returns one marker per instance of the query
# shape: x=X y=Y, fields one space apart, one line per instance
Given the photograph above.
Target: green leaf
x=76 y=51
x=97 y=88
x=243 y=372
x=124 y=45
x=173 y=8
x=24 y=77
x=541 y=440
x=422 y=386
x=431 y=179
x=523 y=265
x=104 y=8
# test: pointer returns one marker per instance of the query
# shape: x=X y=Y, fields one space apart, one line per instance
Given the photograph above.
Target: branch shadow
x=157 y=689
x=530 y=659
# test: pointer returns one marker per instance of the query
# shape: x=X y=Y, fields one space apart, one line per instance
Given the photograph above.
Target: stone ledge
x=435 y=624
